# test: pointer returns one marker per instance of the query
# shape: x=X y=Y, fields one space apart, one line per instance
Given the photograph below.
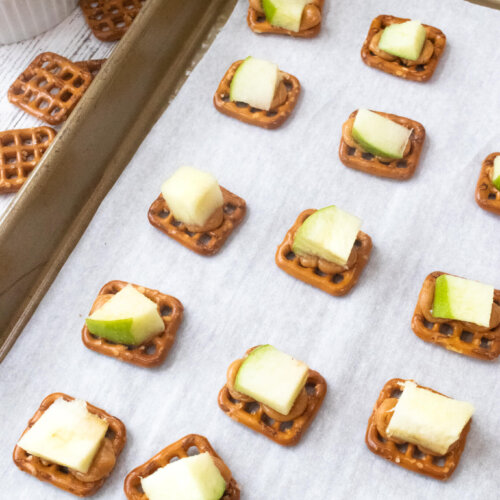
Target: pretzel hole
x=290 y=256
x=43 y=104
x=42 y=137
x=492 y=196
x=358 y=244
x=253 y=110
x=166 y=311
x=420 y=67
x=42 y=82
x=396 y=393
x=110 y=434
x=385 y=162
x=150 y=349
x=240 y=104
x=288 y=84
x=192 y=451
x=284 y=426
x=467 y=336
x=267 y=420
x=445 y=329
x=44 y=64
x=229 y=208
x=271 y=113
x=310 y=389
x=189 y=233
x=427 y=324
x=55 y=111
x=7 y=141
x=234 y=401
x=401 y=164
x=337 y=278
x=66 y=96
x=27 y=141
x=103 y=27
x=28 y=155
x=11 y=175
x=163 y=214
x=54 y=91
x=350 y=151
x=225 y=97
x=204 y=239
x=174 y=459
x=55 y=70
x=261 y=19
x=10 y=158
x=485 y=343
x=31 y=97
x=319 y=272
x=175 y=223
x=402 y=447
x=78 y=82
x=367 y=156
x=63 y=469
x=252 y=407
x=120 y=24
x=439 y=461
x=418 y=454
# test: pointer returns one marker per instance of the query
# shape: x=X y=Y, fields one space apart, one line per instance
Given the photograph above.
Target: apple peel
x=487 y=195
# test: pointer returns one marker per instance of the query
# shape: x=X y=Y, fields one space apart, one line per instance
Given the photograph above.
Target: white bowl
x=22 y=19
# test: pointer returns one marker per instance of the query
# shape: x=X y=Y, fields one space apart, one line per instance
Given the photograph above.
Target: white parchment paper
x=240 y=298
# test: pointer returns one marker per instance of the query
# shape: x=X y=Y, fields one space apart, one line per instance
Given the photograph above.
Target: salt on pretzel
x=271 y=119
x=454 y=335
x=352 y=155
x=50 y=88
x=418 y=71
x=205 y=242
x=109 y=20
x=155 y=350
x=179 y=450
x=336 y=283
x=81 y=485
x=286 y=430
x=310 y=24
x=20 y=152
x=487 y=195
x=408 y=455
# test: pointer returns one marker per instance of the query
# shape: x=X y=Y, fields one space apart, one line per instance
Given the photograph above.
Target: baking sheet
x=239 y=298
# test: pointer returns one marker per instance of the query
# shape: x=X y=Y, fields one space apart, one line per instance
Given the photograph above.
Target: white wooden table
x=72 y=39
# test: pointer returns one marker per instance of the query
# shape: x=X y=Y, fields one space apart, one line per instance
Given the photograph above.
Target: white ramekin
x=21 y=19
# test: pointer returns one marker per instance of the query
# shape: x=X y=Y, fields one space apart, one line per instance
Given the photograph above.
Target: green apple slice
x=328 y=233
x=462 y=299
x=404 y=40
x=272 y=377
x=496 y=172
x=379 y=135
x=128 y=318
x=191 y=478
x=285 y=14
x=192 y=195
x=428 y=419
x=254 y=83
x=66 y=434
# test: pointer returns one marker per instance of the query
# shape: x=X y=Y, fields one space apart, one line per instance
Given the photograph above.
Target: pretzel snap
x=274 y=118
x=286 y=430
x=310 y=24
x=408 y=455
x=155 y=350
x=458 y=336
x=20 y=153
x=335 y=281
x=352 y=155
x=179 y=450
x=109 y=20
x=420 y=70
x=50 y=88
x=487 y=195
x=204 y=242
x=79 y=484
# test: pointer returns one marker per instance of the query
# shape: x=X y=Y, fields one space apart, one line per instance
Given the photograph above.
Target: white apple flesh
x=255 y=82
x=66 y=434
x=404 y=40
x=191 y=478
x=285 y=14
x=192 y=195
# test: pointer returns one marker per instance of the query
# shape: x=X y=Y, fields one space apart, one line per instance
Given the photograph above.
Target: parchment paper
x=240 y=298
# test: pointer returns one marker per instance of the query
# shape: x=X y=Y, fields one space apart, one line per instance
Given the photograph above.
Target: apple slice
x=285 y=14
x=462 y=299
x=496 y=172
x=191 y=478
x=255 y=82
x=128 y=318
x=192 y=195
x=66 y=434
x=379 y=135
x=428 y=419
x=272 y=377
x=404 y=40
x=328 y=233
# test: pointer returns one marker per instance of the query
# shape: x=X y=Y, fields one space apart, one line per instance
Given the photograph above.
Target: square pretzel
x=271 y=119
x=337 y=284
x=259 y=24
x=20 y=152
x=179 y=450
x=93 y=66
x=50 y=88
x=407 y=455
x=453 y=335
x=417 y=73
x=487 y=195
x=155 y=350
x=285 y=433
x=109 y=20
x=58 y=475
x=206 y=242
x=351 y=155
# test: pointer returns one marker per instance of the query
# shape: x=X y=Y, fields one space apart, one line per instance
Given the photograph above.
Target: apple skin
x=285 y=14
x=496 y=172
x=118 y=330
